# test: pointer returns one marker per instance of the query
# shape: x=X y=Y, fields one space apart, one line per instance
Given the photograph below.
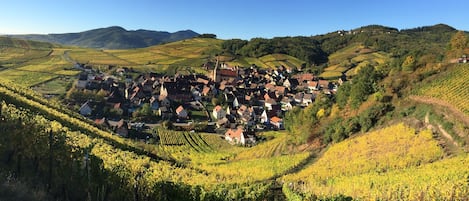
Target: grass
x=36 y=71
x=55 y=86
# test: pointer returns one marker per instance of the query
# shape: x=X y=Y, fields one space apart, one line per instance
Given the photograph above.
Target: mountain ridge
x=113 y=37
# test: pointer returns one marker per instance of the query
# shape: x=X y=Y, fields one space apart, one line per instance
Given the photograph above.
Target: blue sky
x=228 y=19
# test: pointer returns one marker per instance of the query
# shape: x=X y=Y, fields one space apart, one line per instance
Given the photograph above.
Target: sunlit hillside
x=396 y=162
x=350 y=59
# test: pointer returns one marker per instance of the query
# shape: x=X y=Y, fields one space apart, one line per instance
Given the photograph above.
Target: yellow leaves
x=409 y=63
x=376 y=165
x=320 y=113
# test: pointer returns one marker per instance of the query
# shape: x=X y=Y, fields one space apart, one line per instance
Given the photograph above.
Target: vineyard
x=392 y=163
x=275 y=147
x=182 y=161
x=450 y=86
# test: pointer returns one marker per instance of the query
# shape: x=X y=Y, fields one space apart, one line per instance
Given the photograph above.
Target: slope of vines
x=394 y=163
x=451 y=86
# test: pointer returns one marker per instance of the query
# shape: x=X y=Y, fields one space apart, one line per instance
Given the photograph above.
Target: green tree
x=363 y=85
x=343 y=94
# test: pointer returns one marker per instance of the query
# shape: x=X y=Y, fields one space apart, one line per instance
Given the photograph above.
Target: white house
x=235 y=103
x=264 y=118
x=218 y=112
x=235 y=136
x=277 y=122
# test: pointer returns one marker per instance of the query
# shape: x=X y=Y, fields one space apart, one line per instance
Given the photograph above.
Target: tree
x=409 y=63
x=343 y=94
x=458 y=43
x=206 y=35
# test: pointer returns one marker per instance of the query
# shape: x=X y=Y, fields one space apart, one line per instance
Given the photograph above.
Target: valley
x=373 y=113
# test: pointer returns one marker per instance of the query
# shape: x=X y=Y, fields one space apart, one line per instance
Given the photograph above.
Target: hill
x=111 y=38
x=388 y=164
x=396 y=131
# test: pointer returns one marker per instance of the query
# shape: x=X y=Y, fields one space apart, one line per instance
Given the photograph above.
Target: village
x=234 y=102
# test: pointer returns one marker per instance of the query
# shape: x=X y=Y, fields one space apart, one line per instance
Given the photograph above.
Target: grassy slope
x=357 y=54
x=29 y=63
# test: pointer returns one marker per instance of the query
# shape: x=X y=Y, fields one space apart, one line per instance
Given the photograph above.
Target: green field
x=40 y=70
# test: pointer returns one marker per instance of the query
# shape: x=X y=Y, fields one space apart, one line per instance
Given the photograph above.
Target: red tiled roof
x=179 y=109
x=205 y=90
x=218 y=108
x=234 y=133
x=275 y=119
x=228 y=73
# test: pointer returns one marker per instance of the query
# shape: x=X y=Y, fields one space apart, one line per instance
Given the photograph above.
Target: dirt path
x=447 y=135
x=433 y=101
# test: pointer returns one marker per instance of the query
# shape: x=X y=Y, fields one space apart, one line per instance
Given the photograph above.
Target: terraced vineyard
x=389 y=164
x=275 y=147
x=451 y=86
x=356 y=54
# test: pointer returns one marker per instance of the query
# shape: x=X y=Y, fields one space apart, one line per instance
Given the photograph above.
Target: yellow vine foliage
x=389 y=164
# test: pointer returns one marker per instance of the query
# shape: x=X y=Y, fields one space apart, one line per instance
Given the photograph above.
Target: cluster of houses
x=235 y=101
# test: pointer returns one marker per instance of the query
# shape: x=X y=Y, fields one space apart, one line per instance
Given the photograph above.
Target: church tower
x=215 y=71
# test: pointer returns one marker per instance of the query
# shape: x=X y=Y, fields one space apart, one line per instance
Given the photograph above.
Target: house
x=276 y=122
x=304 y=77
x=164 y=102
x=164 y=112
x=308 y=99
x=286 y=103
x=225 y=74
x=202 y=81
x=82 y=81
x=324 y=84
x=218 y=112
x=235 y=136
x=235 y=103
x=120 y=127
x=196 y=105
x=269 y=103
x=154 y=103
x=287 y=83
x=85 y=109
x=263 y=117
x=102 y=122
x=298 y=98
x=196 y=95
x=205 y=91
x=221 y=122
x=181 y=112
x=280 y=90
x=313 y=85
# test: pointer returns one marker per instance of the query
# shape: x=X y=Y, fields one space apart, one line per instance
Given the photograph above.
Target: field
x=211 y=153
x=350 y=59
x=39 y=70
x=396 y=162
x=450 y=86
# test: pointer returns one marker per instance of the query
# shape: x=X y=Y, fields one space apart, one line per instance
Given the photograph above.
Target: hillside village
x=232 y=101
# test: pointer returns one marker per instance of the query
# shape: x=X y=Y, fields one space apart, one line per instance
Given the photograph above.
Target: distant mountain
x=111 y=38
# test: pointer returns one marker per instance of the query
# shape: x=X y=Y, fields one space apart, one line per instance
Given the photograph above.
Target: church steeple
x=215 y=71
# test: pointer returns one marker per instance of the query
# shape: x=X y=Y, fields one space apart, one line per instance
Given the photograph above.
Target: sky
x=244 y=19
